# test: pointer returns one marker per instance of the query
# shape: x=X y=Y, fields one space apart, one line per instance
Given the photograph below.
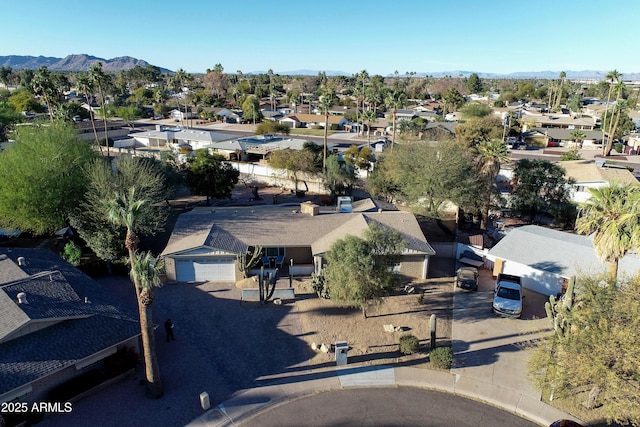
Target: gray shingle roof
x=234 y=229
x=55 y=292
x=556 y=252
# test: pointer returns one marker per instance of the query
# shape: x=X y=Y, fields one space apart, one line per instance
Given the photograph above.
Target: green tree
x=272 y=128
x=360 y=271
x=541 y=188
x=72 y=253
x=211 y=176
x=339 y=176
x=294 y=162
x=474 y=84
x=361 y=158
x=23 y=100
x=251 y=109
x=125 y=209
x=612 y=77
x=41 y=177
x=612 y=214
x=129 y=113
x=577 y=136
x=85 y=85
x=572 y=154
x=8 y=117
x=490 y=155
x=475 y=110
x=369 y=117
x=600 y=352
x=476 y=130
x=453 y=100
x=381 y=183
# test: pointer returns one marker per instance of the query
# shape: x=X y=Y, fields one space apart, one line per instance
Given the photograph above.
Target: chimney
x=21 y=261
x=22 y=298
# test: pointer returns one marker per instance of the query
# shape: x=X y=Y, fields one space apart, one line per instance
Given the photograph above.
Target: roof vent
x=51 y=277
x=22 y=298
x=21 y=261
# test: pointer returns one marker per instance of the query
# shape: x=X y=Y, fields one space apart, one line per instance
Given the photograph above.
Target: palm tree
x=125 y=210
x=612 y=77
x=613 y=125
x=578 y=136
x=369 y=117
x=395 y=99
x=612 y=214
x=491 y=154
x=324 y=104
x=42 y=85
x=85 y=85
x=101 y=80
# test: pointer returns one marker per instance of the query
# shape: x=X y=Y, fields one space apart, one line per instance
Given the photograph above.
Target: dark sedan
x=467 y=278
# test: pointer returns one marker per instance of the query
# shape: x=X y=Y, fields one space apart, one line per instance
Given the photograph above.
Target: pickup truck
x=507 y=297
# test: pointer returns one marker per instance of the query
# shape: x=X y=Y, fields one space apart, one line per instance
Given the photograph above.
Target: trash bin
x=341 y=350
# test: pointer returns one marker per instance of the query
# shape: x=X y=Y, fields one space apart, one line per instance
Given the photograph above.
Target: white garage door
x=206 y=269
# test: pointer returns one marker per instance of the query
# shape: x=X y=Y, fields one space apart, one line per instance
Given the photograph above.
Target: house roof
x=565 y=134
x=55 y=293
x=314 y=118
x=587 y=171
x=235 y=229
x=557 y=252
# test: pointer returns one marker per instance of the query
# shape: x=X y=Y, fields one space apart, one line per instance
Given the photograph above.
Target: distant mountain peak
x=74 y=62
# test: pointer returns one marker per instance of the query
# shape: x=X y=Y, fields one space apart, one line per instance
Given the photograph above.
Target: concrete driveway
x=493 y=349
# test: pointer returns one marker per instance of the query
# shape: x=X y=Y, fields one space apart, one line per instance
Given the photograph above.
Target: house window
x=274 y=252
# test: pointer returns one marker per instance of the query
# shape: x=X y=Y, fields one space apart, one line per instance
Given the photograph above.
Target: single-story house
x=205 y=243
x=195 y=138
x=56 y=324
x=257 y=147
x=594 y=174
x=301 y=120
x=181 y=114
x=546 y=258
x=563 y=137
x=559 y=121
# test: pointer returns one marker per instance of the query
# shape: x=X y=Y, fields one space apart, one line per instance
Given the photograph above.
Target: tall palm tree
x=125 y=210
x=490 y=155
x=369 y=117
x=615 y=117
x=325 y=103
x=578 y=136
x=85 y=85
x=101 y=80
x=395 y=100
x=42 y=85
x=612 y=214
x=612 y=76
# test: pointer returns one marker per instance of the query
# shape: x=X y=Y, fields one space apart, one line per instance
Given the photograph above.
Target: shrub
x=421 y=297
x=408 y=344
x=319 y=284
x=72 y=254
x=570 y=155
x=618 y=147
x=441 y=357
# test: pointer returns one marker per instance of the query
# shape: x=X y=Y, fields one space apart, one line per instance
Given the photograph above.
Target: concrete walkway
x=489 y=366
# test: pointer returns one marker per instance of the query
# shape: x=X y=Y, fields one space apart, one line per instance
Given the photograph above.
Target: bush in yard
x=408 y=344
x=72 y=253
x=441 y=357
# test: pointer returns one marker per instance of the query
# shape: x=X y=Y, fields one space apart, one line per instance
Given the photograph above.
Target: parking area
x=493 y=349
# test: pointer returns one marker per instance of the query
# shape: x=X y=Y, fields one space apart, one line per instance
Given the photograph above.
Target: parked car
x=467 y=278
x=507 y=298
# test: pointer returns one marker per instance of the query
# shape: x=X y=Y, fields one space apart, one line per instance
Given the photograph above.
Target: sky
x=381 y=37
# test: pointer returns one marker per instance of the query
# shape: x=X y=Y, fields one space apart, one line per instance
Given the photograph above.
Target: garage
x=206 y=269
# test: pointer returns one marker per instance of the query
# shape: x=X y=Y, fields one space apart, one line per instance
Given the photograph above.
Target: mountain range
x=81 y=62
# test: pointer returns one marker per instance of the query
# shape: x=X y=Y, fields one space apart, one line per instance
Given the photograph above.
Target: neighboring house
x=255 y=148
x=271 y=115
x=56 y=323
x=546 y=258
x=300 y=120
x=181 y=114
x=594 y=174
x=558 y=121
x=562 y=137
x=205 y=243
x=166 y=136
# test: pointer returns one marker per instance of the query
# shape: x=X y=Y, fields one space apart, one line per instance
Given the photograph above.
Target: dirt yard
x=325 y=322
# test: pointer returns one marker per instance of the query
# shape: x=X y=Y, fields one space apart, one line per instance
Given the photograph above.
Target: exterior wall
x=170 y=268
x=533 y=279
x=278 y=177
x=300 y=255
x=413 y=266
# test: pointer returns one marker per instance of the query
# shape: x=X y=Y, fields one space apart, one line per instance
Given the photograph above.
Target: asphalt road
x=401 y=406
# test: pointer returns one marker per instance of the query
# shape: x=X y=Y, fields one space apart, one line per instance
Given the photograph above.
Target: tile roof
x=556 y=252
x=56 y=294
x=234 y=229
